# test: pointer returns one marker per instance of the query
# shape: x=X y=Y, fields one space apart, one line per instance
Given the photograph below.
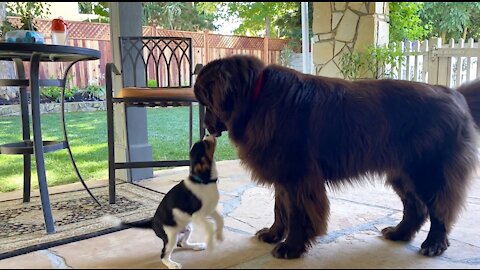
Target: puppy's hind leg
x=208 y=228
x=168 y=247
x=185 y=243
x=220 y=224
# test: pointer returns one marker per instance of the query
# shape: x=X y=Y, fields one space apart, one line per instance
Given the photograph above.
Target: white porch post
x=131 y=138
x=305 y=39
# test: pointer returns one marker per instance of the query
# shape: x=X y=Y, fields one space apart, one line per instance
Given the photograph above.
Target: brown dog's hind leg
x=441 y=185
x=278 y=230
x=414 y=211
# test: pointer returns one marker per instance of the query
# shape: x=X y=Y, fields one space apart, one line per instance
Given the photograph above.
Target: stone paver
x=353 y=239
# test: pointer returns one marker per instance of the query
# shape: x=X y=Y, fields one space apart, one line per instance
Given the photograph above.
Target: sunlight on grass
x=87 y=134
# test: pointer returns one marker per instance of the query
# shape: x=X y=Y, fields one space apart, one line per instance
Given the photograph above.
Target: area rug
x=76 y=217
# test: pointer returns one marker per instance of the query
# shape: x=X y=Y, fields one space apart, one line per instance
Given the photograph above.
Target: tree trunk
x=7 y=70
x=267 y=26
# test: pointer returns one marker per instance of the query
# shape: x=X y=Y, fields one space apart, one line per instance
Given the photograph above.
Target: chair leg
x=27 y=166
x=191 y=127
x=201 y=114
x=111 y=149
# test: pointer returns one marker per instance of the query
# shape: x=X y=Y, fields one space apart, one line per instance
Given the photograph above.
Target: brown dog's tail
x=471 y=92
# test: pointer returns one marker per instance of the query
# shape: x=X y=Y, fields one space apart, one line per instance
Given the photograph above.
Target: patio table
x=34 y=54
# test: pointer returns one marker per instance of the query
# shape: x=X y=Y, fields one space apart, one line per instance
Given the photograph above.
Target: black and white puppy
x=191 y=201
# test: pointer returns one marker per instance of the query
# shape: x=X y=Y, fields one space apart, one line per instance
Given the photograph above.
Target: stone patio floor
x=353 y=239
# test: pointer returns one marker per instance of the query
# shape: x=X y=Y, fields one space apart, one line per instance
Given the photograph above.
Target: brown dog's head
x=222 y=85
x=202 y=162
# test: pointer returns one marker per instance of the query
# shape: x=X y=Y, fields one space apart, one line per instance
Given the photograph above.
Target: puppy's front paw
x=220 y=236
x=171 y=264
x=194 y=246
x=210 y=245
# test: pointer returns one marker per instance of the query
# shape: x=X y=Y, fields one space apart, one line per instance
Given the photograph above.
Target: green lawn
x=87 y=133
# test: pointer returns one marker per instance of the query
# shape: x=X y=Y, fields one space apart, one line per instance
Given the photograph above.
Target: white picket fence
x=436 y=63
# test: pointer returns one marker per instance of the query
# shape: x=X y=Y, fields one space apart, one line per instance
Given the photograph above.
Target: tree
x=272 y=19
x=98 y=8
x=177 y=16
x=451 y=19
x=405 y=21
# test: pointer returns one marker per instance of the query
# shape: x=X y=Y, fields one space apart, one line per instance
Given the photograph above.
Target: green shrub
x=379 y=61
x=54 y=93
x=94 y=91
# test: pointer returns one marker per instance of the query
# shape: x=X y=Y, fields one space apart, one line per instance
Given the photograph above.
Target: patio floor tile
x=353 y=239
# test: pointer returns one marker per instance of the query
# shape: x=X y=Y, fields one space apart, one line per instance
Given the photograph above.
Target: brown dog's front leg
x=278 y=230
x=307 y=216
x=297 y=239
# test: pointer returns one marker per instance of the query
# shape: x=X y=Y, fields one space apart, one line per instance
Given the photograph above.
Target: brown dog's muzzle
x=213 y=124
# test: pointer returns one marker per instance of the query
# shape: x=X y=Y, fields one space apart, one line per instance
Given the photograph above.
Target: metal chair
x=168 y=61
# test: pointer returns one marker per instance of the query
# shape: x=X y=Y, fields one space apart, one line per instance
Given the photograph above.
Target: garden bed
x=78 y=102
x=77 y=97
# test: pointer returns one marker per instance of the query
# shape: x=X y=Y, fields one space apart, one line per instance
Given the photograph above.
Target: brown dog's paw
x=266 y=235
x=284 y=251
x=392 y=233
x=434 y=247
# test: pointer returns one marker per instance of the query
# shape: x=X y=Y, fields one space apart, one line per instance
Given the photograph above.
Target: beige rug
x=76 y=216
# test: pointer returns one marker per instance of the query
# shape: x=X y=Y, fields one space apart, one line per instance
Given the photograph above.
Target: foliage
x=54 y=93
x=99 y=8
x=290 y=25
x=177 y=16
x=350 y=65
x=94 y=91
x=27 y=11
x=405 y=22
x=273 y=19
x=286 y=55
x=380 y=62
x=452 y=19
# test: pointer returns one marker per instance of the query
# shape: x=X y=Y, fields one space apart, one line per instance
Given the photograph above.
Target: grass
x=87 y=134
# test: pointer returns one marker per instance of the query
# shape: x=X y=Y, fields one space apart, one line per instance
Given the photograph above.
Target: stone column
x=341 y=27
x=131 y=137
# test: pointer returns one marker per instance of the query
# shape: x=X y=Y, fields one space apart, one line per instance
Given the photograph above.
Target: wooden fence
x=436 y=63
x=206 y=47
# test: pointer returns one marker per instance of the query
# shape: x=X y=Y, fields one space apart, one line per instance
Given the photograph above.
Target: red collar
x=258 y=86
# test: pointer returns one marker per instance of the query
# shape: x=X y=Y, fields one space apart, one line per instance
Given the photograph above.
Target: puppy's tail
x=142 y=224
x=471 y=92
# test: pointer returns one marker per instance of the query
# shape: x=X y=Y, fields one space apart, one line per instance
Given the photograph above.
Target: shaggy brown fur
x=304 y=133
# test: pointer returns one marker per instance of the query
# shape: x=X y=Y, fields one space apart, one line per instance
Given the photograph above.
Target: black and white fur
x=191 y=201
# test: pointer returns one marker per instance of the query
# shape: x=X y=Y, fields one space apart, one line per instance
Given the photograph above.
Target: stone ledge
x=85 y=106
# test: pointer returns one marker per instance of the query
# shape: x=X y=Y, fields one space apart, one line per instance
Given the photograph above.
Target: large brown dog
x=300 y=133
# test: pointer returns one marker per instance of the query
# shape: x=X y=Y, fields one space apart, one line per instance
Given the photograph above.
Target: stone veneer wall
x=86 y=106
x=340 y=27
